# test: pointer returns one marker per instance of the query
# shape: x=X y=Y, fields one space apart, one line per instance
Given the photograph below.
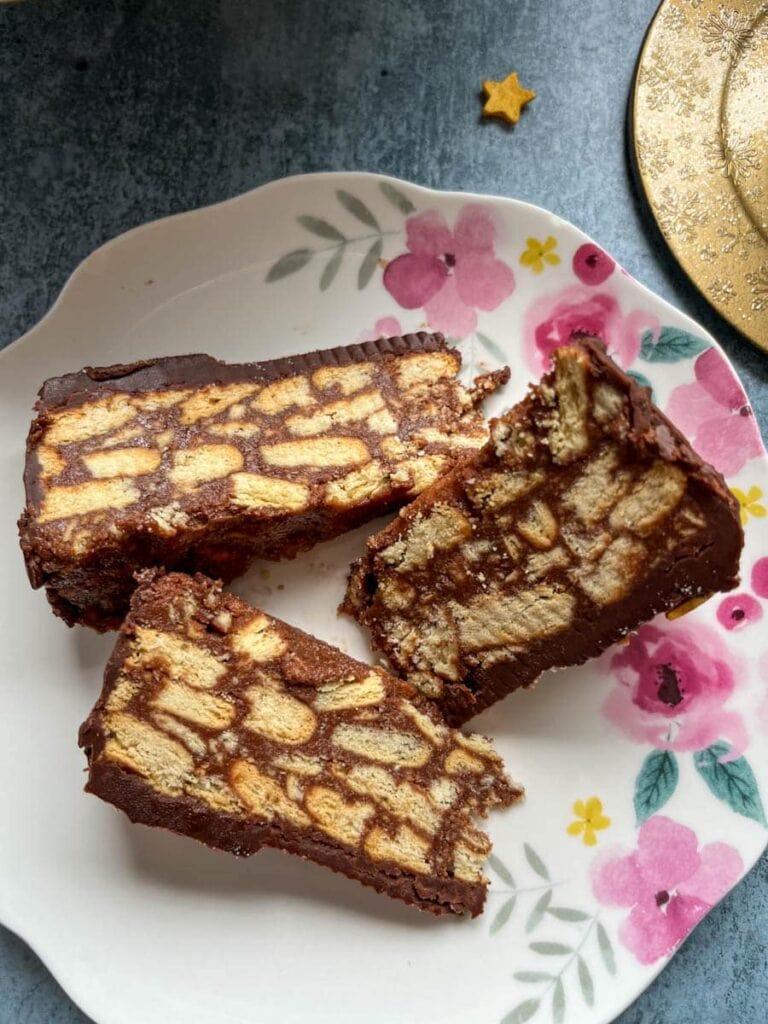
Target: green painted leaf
x=606 y=949
x=536 y=916
x=369 y=264
x=672 y=345
x=289 y=264
x=530 y=977
x=558 y=1003
x=501 y=870
x=357 y=208
x=733 y=782
x=521 y=1013
x=502 y=914
x=535 y=861
x=331 y=269
x=396 y=197
x=567 y=914
x=321 y=227
x=655 y=783
x=492 y=348
x=585 y=981
x=550 y=948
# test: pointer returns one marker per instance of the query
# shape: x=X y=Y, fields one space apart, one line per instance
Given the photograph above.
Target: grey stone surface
x=113 y=113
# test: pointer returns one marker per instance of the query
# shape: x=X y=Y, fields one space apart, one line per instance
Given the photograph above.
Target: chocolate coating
x=586 y=514
x=190 y=463
x=197 y=370
x=178 y=737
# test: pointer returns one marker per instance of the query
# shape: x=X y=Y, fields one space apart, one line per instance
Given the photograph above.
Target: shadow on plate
x=537 y=712
x=91 y=652
x=175 y=863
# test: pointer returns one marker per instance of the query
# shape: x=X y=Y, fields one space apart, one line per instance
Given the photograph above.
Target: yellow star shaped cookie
x=506 y=99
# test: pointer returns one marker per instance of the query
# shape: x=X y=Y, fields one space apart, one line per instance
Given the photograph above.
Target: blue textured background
x=114 y=113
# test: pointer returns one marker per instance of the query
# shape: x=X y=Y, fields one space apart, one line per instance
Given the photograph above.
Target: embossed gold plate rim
x=692 y=172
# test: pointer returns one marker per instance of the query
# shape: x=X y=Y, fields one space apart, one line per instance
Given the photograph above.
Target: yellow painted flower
x=749 y=503
x=538 y=253
x=590 y=820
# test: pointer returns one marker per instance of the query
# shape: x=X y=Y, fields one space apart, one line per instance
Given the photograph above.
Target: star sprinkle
x=506 y=99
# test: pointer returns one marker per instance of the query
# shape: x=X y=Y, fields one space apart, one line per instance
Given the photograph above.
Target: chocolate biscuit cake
x=223 y=724
x=190 y=463
x=584 y=515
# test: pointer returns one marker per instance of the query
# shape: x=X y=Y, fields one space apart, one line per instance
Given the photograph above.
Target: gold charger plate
x=699 y=122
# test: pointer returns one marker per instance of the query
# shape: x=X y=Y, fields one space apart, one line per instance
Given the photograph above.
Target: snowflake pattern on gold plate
x=700 y=134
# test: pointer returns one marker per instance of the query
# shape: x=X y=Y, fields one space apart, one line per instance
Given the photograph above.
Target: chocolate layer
x=586 y=514
x=200 y=370
x=225 y=725
x=194 y=464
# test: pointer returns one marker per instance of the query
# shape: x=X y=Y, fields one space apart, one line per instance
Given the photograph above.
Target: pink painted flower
x=592 y=265
x=669 y=883
x=761 y=715
x=552 y=320
x=738 y=610
x=450 y=273
x=760 y=577
x=385 y=327
x=713 y=412
x=672 y=684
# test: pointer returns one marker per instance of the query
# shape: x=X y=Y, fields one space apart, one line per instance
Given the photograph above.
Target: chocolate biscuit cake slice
x=584 y=515
x=223 y=724
x=190 y=463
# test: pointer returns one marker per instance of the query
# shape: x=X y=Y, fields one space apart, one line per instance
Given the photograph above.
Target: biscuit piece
x=194 y=464
x=221 y=723
x=586 y=514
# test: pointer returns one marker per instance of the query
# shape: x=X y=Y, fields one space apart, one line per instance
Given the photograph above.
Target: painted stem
x=588 y=931
x=351 y=241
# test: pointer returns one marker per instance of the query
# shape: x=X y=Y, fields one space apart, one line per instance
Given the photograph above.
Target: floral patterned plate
x=645 y=770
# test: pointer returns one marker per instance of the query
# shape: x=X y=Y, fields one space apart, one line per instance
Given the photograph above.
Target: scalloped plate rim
x=189 y=215
x=73 y=981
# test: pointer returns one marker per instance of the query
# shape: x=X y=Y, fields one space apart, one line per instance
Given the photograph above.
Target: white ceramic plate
x=668 y=734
